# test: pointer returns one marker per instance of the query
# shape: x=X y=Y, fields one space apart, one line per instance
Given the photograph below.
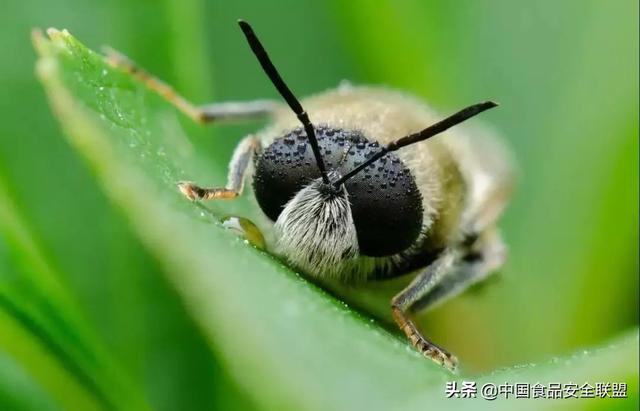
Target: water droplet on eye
x=245 y=229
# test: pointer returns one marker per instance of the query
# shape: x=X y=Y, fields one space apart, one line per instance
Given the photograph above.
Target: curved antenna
x=428 y=132
x=287 y=95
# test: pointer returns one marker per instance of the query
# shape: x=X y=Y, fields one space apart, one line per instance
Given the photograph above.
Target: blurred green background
x=565 y=73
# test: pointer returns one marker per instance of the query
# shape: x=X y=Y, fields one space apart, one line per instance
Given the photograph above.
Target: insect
x=354 y=194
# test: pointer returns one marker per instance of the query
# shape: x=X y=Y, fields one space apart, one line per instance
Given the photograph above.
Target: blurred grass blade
x=19 y=391
x=289 y=344
x=36 y=306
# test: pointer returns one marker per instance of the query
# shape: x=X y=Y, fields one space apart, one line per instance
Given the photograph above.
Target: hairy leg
x=402 y=303
x=235 y=180
x=478 y=261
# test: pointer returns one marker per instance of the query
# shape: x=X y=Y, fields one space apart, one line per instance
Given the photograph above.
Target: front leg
x=402 y=304
x=232 y=111
x=479 y=259
x=235 y=180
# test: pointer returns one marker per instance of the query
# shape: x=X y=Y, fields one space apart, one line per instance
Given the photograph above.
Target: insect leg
x=479 y=260
x=232 y=111
x=482 y=248
x=402 y=304
x=235 y=180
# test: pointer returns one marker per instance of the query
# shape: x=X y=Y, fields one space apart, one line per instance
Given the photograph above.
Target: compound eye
x=386 y=206
x=284 y=168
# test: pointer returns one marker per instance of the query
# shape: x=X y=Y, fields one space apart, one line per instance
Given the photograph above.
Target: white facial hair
x=315 y=231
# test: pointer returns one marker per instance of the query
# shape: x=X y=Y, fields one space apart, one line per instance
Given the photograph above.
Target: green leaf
x=288 y=343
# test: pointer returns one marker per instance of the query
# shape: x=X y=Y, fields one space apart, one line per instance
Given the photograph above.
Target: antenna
x=287 y=95
x=428 y=132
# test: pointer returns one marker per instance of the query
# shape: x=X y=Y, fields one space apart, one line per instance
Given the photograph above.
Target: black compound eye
x=386 y=206
x=385 y=202
x=284 y=168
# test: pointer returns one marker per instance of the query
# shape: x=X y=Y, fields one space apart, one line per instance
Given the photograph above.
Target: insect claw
x=189 y=190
